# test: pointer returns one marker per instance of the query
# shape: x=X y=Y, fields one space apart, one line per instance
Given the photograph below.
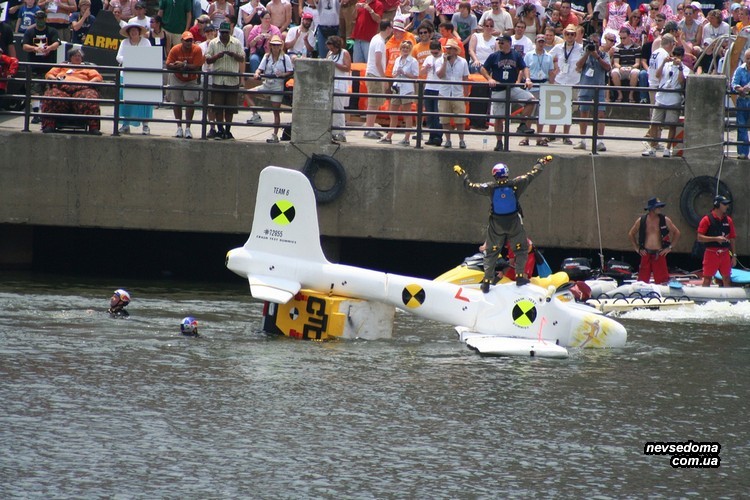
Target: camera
x=590 y=46
x=395 y=88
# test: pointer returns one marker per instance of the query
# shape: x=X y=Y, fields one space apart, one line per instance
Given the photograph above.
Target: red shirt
x=706 y=222
x=364 y=27
x=197 y=35
x=572 y=19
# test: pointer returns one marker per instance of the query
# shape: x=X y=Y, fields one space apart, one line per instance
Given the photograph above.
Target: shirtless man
x=281 y=14
x=652 y=236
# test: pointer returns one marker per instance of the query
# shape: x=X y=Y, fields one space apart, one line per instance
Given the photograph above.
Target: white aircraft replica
x=283 y=255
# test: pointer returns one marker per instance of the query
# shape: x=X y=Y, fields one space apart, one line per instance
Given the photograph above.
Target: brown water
x=95 y=407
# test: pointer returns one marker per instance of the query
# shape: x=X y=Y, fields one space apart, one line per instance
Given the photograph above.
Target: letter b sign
x=555 y=105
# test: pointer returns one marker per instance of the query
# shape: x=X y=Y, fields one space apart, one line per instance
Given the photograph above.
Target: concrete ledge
x=392 y=193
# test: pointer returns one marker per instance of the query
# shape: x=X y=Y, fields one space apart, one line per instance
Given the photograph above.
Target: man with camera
x=593 y=67
x=671 y=74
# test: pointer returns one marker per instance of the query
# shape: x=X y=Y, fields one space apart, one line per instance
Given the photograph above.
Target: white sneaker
x=255 y=118
x=188 y=134
x=648 y=152
x=667 y=153
x=179 y=133
x=580 y=145
x=660 y=147
x=600 y=146
x=273 y=140
x=125 y=129
x=146 y=130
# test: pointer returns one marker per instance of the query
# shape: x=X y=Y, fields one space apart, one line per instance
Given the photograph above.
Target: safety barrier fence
x=478 y=103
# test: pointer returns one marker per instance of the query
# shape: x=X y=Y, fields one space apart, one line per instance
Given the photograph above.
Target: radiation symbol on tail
x=413 y=296
x=524 y=313
x=282 y=212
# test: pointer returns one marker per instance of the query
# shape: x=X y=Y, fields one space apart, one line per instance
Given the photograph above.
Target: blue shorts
x=588 y=95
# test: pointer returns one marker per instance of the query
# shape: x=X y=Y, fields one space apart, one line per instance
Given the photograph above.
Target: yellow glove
x=458 y=170
x=545 y=160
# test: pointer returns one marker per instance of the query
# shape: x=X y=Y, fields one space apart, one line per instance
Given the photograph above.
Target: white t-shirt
x=653 y=64
x=377 y=45
x=402 y=68
x=567 y=59
x=454 y=73
x=669 y=76
x=430 y=64
x=484 y=47
x=299 y=46
x=503 y=21
x=523 y=46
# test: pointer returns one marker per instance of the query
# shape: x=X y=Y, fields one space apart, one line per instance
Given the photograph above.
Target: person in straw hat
x=133 y=114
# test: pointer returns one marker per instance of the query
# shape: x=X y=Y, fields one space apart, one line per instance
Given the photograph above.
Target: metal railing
x=479 y=102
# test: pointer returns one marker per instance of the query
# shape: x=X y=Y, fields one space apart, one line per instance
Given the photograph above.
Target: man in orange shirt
x=393 y=45
x=447 y=32
x=187 y=58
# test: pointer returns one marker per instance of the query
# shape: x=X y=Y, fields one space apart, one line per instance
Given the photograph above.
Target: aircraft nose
x=616 y=334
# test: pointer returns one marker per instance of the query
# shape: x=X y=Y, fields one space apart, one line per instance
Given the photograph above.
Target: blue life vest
x=504 y=201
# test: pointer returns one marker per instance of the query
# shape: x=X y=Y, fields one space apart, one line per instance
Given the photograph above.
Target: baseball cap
x=40 y=14
x=209 y=28
x=398 y=24
x=225 y=27
x=186 y=35
x=540 y=37
x=307 y=15
x=504 y=38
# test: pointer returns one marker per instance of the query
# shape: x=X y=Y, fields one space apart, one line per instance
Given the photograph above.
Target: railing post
x=204 y=105
x=595 y=122
x=27 y=107
x=116 y=104
x=420 y=113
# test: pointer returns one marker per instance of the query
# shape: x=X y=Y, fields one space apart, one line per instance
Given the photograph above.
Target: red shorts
x=653 y=263
x=717 y=259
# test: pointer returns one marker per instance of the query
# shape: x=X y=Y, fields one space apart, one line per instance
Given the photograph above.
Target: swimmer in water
x=189 y=327
x=117 y=303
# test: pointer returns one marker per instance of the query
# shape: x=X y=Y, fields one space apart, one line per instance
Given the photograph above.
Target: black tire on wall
x=317 y=162
x=697 y=187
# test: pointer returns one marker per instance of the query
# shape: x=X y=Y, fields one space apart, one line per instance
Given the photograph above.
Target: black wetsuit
x=505 y=227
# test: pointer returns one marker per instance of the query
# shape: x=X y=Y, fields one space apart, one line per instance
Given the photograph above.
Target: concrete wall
x=401 y=194
x=392 y=194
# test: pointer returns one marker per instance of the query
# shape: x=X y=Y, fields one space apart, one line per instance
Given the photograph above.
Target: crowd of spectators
x=623 y=38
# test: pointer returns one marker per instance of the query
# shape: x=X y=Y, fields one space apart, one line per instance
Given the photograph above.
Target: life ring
x=317 y=162
x=697 y=187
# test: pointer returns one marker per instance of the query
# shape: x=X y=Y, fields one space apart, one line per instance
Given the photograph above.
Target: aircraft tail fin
x=285 y=222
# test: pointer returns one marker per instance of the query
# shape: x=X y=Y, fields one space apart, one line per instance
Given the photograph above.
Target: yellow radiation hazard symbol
x=413 y=296
x=524 y=313
x=282 y=212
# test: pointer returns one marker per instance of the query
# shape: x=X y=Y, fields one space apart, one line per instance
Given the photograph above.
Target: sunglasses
x=424 y=32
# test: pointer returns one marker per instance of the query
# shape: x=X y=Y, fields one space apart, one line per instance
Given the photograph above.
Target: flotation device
x=703 y=186
x=317 y=162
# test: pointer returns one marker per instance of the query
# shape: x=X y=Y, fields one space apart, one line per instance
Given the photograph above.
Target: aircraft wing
x=272 y=289
x=494 y=345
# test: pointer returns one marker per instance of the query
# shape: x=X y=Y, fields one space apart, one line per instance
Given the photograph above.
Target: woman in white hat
x=275 y=67
x=133 y=114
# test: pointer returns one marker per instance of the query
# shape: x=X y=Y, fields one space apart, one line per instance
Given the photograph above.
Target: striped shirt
x=225 y=64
